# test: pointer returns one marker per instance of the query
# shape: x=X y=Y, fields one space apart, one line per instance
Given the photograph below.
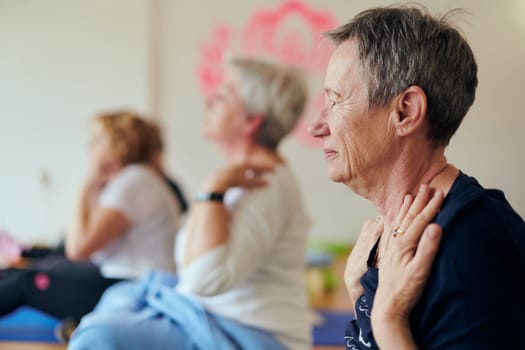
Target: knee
x=94 y=337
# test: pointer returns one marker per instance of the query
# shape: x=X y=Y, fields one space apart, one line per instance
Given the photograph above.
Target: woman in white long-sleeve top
x=124 y=225
x=241 y=254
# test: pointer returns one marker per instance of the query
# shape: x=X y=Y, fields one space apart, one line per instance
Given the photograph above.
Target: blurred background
x=63 y=61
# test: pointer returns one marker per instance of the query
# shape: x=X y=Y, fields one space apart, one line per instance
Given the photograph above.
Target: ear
x=254 y=123
x=410 y=112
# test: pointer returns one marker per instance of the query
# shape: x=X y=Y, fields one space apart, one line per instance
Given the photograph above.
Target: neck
x=406 y=176
x=248 y=152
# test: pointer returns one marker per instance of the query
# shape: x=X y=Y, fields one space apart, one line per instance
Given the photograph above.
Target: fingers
x=409 y=261
x=405 y=206
x=426 y=215
x=254 y=182
x=354 y=269
x=371 y=227
x=417 y=206
x=421 y=212
x=256 y=168
x=427 y=250
x=250 y=175
x=401 y=282
x=241 y=175
x=252 y=171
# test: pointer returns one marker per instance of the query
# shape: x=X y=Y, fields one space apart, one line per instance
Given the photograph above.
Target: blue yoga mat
x=29 y=325
x=331 y=329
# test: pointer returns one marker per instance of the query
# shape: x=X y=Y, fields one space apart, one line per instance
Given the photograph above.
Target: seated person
x=241 y=255
x=398 y=86
x=125 y=224
x=157 y=163
x=157 y=147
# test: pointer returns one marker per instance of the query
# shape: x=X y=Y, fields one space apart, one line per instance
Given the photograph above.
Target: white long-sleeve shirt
x=146 y=201
x=257 y=277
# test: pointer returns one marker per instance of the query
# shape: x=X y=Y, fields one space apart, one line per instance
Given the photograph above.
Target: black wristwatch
x=210 y=197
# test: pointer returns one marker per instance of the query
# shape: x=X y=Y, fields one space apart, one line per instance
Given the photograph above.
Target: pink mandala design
x=290 y=33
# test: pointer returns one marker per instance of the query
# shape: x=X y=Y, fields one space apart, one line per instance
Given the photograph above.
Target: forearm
x=208 y=227
x=356 y=264
x=354 y=290
x=395 y=335
x=209 y=221
x=75 y=233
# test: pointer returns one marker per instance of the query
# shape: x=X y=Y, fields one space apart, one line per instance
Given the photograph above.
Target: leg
x=131 y=295
x=122 y=296
x=67 y=290
x=120 y=332
x=151 y=314
x=10 y=291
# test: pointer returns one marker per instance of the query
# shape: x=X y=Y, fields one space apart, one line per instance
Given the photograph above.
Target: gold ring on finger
x=397 y=232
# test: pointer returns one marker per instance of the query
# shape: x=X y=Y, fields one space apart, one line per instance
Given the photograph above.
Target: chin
x=334 y=176
x=206 y=134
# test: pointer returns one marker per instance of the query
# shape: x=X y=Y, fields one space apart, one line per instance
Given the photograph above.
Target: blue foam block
x=28 y=325
x=331 y=330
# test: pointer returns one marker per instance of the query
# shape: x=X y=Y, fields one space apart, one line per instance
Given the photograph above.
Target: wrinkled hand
x=356 y=263
x=96 y=181
x=407 y=260
x=101 y=174
x=241 y=175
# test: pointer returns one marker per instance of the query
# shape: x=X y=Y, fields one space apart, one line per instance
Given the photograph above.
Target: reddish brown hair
x=135 y=137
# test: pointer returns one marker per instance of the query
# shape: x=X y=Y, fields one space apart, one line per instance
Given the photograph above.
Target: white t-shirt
x=146 y=201
x=257 y=277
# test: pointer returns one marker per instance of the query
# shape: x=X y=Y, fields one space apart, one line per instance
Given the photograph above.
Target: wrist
x=393 y=334
x=388 y=323
x=212 y=196
x=387 y=326
x=215 y=183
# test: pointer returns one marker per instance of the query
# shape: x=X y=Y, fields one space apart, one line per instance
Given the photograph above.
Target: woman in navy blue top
x=397 y=87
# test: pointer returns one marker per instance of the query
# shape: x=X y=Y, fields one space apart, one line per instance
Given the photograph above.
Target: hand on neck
x=407 y=179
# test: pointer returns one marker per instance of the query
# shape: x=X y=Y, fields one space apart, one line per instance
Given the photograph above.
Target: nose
x=318 y=126
x=208 y=102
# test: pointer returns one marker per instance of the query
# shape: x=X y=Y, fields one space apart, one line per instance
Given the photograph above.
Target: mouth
x=329 y=153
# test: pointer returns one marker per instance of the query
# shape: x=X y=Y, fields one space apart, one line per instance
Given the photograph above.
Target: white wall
x=64 y=60
x=490 y=145
x=61 y=62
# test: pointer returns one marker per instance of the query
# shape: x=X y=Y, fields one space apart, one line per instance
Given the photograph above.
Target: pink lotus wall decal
x=290 y=34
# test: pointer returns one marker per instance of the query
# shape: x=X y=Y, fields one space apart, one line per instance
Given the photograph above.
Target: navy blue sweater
x=475 y=295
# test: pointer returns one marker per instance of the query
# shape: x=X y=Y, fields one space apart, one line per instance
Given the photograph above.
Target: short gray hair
x=404 y=46
x=274 y=91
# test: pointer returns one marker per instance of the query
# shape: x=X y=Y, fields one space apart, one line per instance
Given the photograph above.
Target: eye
x=211 y=100
x=330 y=102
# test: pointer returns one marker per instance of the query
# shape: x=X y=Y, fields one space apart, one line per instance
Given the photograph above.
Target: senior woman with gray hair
x=397 y=87
x=241 y=254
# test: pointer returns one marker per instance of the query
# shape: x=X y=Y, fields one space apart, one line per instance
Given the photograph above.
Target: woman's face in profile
x=102 y=151
x=225 y=114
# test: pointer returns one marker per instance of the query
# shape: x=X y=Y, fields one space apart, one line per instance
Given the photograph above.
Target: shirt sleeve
x=475 y=297
x=257 y=220
x=126 y=193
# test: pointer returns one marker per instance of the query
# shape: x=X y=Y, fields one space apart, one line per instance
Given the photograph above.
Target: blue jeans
x=151 y=315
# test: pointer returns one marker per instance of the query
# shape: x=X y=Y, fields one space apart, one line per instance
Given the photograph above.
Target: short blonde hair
x=135 y=138
x=274 y=91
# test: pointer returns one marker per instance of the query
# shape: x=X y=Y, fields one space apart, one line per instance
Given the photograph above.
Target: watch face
x=209 y=196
